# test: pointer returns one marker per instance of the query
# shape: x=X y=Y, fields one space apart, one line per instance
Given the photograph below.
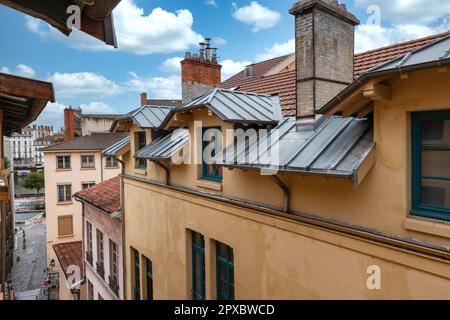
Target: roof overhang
x=370 y=86
x=96 y=16
x=118 y=149
x=22 y=100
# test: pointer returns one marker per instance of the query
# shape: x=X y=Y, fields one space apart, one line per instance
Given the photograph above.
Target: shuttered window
x=198 y=267
x=65 y=226
x=225 y=272
x=430 y=145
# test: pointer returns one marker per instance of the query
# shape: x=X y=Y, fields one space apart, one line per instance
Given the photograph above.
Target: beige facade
x=111 y=228
x=64 y=218
x=335 y=236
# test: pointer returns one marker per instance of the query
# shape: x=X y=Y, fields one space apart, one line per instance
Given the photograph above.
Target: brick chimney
x=324 y=46
x=200 y=72
x=143 y=99
x=69 y=124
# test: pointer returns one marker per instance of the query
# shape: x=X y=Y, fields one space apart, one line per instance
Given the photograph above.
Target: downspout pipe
x=166 y=169
x=286 y=192
x=83 y=249
x=122 y=209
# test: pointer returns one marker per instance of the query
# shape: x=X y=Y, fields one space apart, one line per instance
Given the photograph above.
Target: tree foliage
x=35 y=180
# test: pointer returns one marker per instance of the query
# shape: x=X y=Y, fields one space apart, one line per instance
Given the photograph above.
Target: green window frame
x=198 y=267
x=141 y=142
x=149 y=278
x=137 y=275
x=433 y=122
x=210 y=172
x=224 y=272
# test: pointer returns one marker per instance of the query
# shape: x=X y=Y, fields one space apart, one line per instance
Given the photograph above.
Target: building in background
x=26 y=149
x=18 y=108
x=70 y=167
x=78 y=124
x=38 y=144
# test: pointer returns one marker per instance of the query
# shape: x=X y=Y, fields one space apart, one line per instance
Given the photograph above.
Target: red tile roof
x=369 y=59
x=105 y=195
x=70 y=254
x=284 y=83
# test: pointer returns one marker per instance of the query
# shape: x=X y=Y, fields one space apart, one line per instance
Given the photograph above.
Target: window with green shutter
x=137 y=275
x=224 y=272
x=198 y=267
x=430 y=146
x=211 y=138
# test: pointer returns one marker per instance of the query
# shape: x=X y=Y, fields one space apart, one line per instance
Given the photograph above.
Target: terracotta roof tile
x=259 y=69
x=69 y=254
x=105 y=195
x=284 y=83
x=369 y=59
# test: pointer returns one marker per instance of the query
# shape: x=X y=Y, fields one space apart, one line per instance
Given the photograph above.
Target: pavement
x=29 y=272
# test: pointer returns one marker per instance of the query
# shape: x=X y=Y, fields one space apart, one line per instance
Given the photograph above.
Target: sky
x=153 y=36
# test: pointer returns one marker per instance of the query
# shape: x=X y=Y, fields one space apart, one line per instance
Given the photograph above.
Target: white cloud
x=211 y=3
x=401 y=12
x=159 y=87
x=277 y=50
x=230 y=67
x=53 y=113
x=408 y=19
x=21 y=70
x=97 y=107
x=158 y=32
x=25 y=71
x=83 y=84
x=219 y=41
x=256 y=15
x=369 y=36
x=172 y=65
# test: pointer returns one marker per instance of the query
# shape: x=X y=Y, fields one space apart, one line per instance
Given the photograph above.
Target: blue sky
x=154 y=34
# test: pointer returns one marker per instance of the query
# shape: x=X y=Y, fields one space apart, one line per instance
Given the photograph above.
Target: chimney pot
x=201 y=73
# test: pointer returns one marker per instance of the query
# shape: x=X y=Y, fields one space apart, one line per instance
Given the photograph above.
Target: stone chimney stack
x=324 y=48
x=69 y=124
x=200 y=72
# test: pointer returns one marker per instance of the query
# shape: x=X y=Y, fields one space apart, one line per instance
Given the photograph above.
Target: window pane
x=60 y=193
x=436 y=193
x=436 y=163
x=436 y=132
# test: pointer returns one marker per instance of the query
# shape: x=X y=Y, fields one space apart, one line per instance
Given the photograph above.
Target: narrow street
x=29 y=270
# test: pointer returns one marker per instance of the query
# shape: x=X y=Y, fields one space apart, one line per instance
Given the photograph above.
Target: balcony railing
x=114 y=284
x=89 y=257
x=101 y=269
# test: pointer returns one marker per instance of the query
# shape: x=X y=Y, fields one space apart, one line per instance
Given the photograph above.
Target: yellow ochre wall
x=277 y=257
